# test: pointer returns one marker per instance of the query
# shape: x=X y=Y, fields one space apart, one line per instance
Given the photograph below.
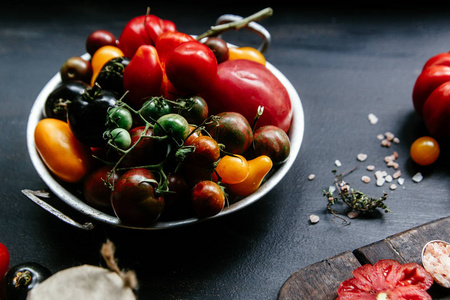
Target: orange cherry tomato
x=101 y=57
x=232 y=169
x=425 y=151
x=258 y=169
x=246 y=53
x=62 y=153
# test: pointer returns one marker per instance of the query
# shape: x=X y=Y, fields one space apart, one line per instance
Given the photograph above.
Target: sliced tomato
x=387 y=279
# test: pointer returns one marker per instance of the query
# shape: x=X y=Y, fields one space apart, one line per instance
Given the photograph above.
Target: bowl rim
x=295 y=134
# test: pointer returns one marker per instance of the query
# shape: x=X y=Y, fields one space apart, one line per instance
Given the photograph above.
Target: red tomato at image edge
x=387 y=278
x=438 y=59
x=4 y=260
x=426 y=83
x=436 y=111
x=242 y=86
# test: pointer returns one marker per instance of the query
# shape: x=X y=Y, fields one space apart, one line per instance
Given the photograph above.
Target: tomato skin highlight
x=62 y=153
x=244 y=85
x=246 y=53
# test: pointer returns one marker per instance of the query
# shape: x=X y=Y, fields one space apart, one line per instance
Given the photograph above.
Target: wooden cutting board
x=321 y=280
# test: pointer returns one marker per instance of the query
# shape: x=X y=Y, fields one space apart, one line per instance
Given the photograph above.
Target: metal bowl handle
x=34 y=196
x=252 y=26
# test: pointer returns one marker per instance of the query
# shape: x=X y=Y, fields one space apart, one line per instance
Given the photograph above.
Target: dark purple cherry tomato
x=96 y=190
x=177 y=204
x=207 y=199
x=98 y=39
x=134 y=199
x=87 y=115
x=58 y=100
x=110 y=76
x=20 y=279
x=271 y=141
x=233 y=130
x=76 y=68
x=219 y=47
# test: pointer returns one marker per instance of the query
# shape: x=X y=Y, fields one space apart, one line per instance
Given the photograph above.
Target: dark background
x=344 y=61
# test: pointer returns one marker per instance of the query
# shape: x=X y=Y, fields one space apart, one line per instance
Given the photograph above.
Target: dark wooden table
x=345 y=62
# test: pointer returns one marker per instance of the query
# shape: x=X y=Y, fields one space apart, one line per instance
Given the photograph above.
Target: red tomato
x=244 y=85
x=207 y=198
x=387 y=279
x=143 y=76
x=439 y=59
x=436 y=111
x=191 y=67
x=98 y=39
x=168 y=41
x=142 y=30
x=4 y=260
x=426 y=83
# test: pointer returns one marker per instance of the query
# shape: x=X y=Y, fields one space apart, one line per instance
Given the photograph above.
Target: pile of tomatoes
x=156 y=124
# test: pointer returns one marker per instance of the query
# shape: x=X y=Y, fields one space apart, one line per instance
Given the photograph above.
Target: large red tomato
x=436 y=111
x=387 y=279
x=191 y=67
x=242 y=86
x=143 y=76
x=427 y=82
x=142 y=30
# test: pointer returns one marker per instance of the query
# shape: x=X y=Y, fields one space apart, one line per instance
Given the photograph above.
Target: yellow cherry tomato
x=101 y=57
x=425 y=151
x=246 y=53
x=258 y=169
x=61 y=152
x=232 y=168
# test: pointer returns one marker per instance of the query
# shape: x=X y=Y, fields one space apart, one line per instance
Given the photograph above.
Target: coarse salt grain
x=337 y=163
x=362 y=157
x=401 y=181
x=388 y=178
x=389 y=136
x=380 y=181
x=380 y=137
x=311 y=176
x=397 y=174
x=365 y=179
x=385 y=143
x=314 y=219
x=372 y=119
x=417 y=177
x=370 y=168
x=396 y=140
x=393 y=186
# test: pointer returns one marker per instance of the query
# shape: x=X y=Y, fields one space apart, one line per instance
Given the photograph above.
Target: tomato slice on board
x=387 y=279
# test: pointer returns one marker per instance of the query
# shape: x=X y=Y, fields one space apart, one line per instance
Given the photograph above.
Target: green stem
x=219 y=29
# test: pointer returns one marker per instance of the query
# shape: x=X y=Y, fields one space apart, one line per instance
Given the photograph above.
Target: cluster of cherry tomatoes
x=156 y=124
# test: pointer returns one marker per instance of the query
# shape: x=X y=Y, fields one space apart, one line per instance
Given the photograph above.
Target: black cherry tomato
x=98 y=39
x=76 y=68
x=207 y=199
x=20 y=279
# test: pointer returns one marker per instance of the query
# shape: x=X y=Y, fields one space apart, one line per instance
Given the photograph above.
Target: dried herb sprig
x=357 y=201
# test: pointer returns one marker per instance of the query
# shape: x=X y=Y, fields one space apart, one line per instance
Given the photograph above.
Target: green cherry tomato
x=120 y=137
x=120 y=117
x=155 y=108
x=173 y=125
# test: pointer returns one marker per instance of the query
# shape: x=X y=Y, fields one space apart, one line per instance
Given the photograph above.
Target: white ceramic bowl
x=36 y=114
